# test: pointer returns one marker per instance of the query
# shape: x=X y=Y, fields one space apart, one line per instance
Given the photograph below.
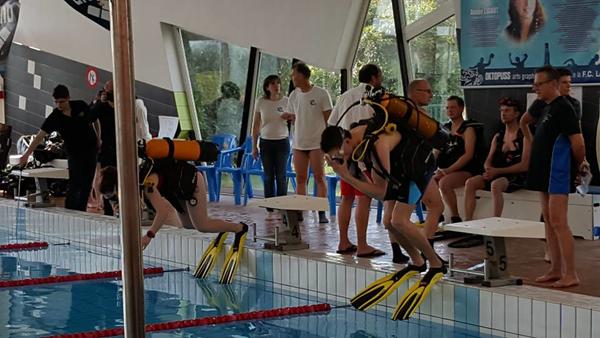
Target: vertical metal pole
x=401 y=44
x=124 y=87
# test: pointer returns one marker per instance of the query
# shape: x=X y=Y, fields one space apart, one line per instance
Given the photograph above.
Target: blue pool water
x=87 y=306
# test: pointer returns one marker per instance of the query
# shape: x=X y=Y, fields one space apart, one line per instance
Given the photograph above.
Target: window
x=378 y=45
x=270 y=65
x=327 y=80
x=218 y=72
x=416 y=9
x=434 y=56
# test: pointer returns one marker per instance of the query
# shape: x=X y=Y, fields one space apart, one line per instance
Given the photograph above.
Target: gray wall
x=53 y=70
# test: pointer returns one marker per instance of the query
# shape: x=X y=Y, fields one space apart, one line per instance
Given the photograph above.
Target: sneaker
x=322 y=217
x=455 y=219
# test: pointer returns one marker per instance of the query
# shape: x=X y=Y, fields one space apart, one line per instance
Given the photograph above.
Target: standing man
x=558 y=141
x=564 y=87
x=420 y=92
x=104 y=109
x=309 y=106
x=344 y=114
x=74 y=122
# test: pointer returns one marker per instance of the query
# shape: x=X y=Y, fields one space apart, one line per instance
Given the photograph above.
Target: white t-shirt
x=142 y=130
x=272 y=126
x=356 y=113
x=310 y=123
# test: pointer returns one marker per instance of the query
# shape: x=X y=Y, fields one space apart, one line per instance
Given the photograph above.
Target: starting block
x=494 y=230
x=287 y=236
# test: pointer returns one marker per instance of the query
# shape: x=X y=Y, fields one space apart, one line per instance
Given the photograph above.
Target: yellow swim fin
x=234 y=256
x=209 y=257
x=413 y=298
x=383 y=287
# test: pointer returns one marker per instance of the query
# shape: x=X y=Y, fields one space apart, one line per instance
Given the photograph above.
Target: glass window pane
x=272 y=65
x=327 y=80
x=378 y=45
x=434 y=56
x=218 y=72
x=416 y=9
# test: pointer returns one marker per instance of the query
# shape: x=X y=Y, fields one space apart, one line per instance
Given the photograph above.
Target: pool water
x=88 y=306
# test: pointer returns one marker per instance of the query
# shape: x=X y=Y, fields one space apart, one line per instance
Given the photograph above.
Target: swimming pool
x=87 y=306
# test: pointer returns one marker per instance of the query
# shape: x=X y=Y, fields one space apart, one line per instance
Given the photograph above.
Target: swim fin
x=383 y=287
x=417 y=293
x=234 y=256
x=209 y=257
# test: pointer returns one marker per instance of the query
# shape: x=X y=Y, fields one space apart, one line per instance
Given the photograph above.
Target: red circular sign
x=91 y=76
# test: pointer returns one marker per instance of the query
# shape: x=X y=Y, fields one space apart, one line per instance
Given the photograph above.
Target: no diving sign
x=92 y=77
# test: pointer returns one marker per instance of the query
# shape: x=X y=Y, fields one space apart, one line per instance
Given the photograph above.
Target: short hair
x=60 y=92
x=109 y=179
x=333 y=137
x=366 y=72
x=414 y=83
x=457 y=99
x=268 y=80
x=511 y=102
x=551 y=72
x=302 y=68
x=563 y=72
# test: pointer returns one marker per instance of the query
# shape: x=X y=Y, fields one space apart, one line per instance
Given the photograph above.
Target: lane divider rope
x=24 y=246
x=261 y=314
x=74 y=277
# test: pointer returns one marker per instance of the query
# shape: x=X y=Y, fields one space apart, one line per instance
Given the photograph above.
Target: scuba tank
x=183 y=150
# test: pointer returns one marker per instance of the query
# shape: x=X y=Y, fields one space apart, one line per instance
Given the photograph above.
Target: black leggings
x=82 y=168
x=274 y=155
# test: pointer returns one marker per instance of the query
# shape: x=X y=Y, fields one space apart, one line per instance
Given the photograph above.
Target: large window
x=378 y=45
x=327 y=80
x=434 y=56
x=416 y=9
x=270 y=65
x=218 y=73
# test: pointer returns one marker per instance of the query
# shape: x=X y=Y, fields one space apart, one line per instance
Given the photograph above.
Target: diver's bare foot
x=566 y=282
x=548 y=277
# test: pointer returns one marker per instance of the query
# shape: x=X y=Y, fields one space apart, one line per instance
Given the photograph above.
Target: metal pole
x=129 y=205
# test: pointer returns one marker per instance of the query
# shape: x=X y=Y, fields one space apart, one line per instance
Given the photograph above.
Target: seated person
x=461 y=158
x=506 y=164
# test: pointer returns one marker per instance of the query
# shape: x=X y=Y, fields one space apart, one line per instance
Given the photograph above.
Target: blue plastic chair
x=224 y=142
x=228 y=167
x=251 y=167
x=418 y=210
x=332 y=181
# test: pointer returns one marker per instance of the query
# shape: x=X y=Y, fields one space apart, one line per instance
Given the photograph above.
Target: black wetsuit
x=455 y=148
x=176 y=181
x=412 y=164
x=502 y=159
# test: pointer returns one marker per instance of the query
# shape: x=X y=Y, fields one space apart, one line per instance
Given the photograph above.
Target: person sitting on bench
x=506 y=164
x=462 y=157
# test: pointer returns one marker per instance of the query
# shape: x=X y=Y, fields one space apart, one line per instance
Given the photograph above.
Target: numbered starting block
x=494 y=271
x=287 y=235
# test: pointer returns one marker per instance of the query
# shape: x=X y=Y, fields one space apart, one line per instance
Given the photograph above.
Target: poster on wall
x=9 y=15
x=504 y=41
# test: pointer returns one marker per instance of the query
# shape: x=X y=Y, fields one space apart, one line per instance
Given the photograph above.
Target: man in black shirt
x=104 y=109
x=74 y=122
x=558 y=141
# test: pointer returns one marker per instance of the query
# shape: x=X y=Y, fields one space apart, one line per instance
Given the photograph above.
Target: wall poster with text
x=504 y=41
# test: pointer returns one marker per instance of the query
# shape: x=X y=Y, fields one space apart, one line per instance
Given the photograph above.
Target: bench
x=494 y=230
x=287 y=235
x=40 y=198
x=584 y=211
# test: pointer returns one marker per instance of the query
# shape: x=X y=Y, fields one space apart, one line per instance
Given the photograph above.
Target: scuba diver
x=396 y=145
x=168 y=180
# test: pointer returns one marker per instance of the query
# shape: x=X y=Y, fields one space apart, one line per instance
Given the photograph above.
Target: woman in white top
x=273 y=143
x=309 y=107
